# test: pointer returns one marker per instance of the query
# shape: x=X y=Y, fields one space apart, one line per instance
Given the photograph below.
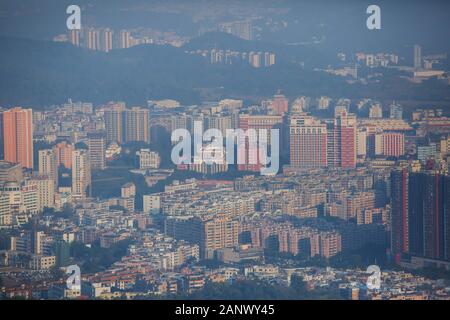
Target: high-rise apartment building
x=47 y=165
x=151 y=203
x=445 y=146
x=63 y=154
x=390 y=144
x=124 y=39
x=257 y=123
x=429 y=215
x=221 y=122
x=74 y=37
x=114 y=123
x=106 y=40
x=395 y=112
x=400 y=213
x=417 y=57
x=375 y=111
x=92 y=39
x=361 y=143
x=254 y=58
x=45 y=191
x=137 y=124
x=81 y=174
x=269 y=59
x=209 y=232
x=279 y=105
x=97 y=149
x=308 y=142
x=341 y=143
x=330 y=244
x=5 y=209
x=323 y=103
x=420 y=214
x=18 y=136
x=128 y=190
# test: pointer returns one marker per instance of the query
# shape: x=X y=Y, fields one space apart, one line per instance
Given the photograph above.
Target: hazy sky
x=404 y=22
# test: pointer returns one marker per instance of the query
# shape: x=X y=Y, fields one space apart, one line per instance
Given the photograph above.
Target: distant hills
x=39 y=73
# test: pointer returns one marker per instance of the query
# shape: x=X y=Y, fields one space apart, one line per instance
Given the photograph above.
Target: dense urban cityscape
x=361 y=181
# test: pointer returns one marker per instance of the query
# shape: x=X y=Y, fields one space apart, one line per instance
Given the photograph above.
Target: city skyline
x=288 y=150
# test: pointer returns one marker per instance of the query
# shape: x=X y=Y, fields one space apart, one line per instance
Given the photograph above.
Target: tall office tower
x=395 y=111
x=106 y=40
x=18 y=136
x=392 y=144
x=137 y=124
x=92 y=39
x=74 y=37
x=81 y=174
x=63 y=154
x=308 y=142
x=429 y=215
x=258 y=122
x=417 y=56
x=341 y=142
x=124 y=39
x=114 y=123
x=97 y=148
x=47 y=165
x=399 y=213
x=279 y=105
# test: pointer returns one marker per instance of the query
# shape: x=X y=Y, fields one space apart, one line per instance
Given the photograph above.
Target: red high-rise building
x=345 y=127
x=308 y=142
x=400 y=213
x=341 y=144
x=63 y=153
x=18 y=136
